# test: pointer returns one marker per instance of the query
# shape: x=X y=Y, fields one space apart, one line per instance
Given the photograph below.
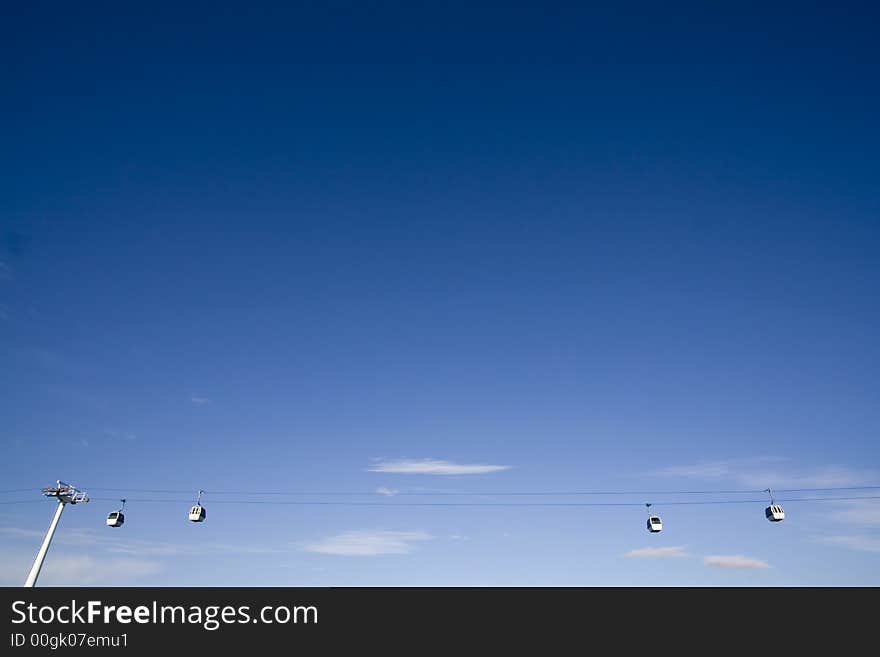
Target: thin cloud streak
x=78 y=537
x=865 y=512
x=78 y=570
x=754 y=473
x=17 y=532
x=368 y=543
x=735 y=561
x=859 y=543
x=825 y=477
x=434 y=467
x=657 y=552
x=127 y=436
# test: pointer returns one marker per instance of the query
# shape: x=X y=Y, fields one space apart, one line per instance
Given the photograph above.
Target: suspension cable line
x=487 y=504
x=289 y=493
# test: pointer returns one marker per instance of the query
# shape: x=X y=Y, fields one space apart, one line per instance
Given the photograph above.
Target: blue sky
x=341 y=249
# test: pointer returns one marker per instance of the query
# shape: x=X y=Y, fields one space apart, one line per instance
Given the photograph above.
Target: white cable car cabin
x=197 y=512
x=654 y=524
x=116 y=518
x=774 y=513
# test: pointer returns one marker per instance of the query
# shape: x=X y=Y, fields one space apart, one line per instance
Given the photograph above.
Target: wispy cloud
x=826 y=477
x=734 y=561
x=368 y=543
x=200 y=401
x=758 y=473
x=860 y=543
x=72 y=536
x=706 y=470
x=434 y=467
x=657 y=552
x=17 y=532
x=78 y=570
x=127 y=436
x=387 y=492
x=80 y=537
x=85 y=557
x=859 y=512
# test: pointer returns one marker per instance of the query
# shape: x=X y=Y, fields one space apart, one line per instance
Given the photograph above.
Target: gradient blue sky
x=252 y=247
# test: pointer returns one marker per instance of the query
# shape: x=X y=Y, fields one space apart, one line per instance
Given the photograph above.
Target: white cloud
x=831 y=476
x=707 y=470
x=657 y=552
x=861 y=543
x=859 y=512
x=734 y=561
x=200 y=401
x=85 y=557
x=127 y=436
x=368 y=543
x=75 y=536
x=79 y=537
x=17 y=532
x=86 y=570
x=434 y=467
x=387 y=492
x=754 y=473
x=63 y=569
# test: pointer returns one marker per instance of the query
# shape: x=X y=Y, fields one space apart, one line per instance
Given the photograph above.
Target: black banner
x=412 y=620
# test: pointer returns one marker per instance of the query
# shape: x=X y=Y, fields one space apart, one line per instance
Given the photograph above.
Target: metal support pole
x=44 y=548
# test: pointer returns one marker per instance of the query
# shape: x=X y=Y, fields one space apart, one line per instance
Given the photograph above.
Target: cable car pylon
x=65 y=494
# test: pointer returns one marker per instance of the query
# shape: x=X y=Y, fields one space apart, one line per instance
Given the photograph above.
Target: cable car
x=116 y=518
x=654 y=524
x=774 y=512
x=197 y=512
